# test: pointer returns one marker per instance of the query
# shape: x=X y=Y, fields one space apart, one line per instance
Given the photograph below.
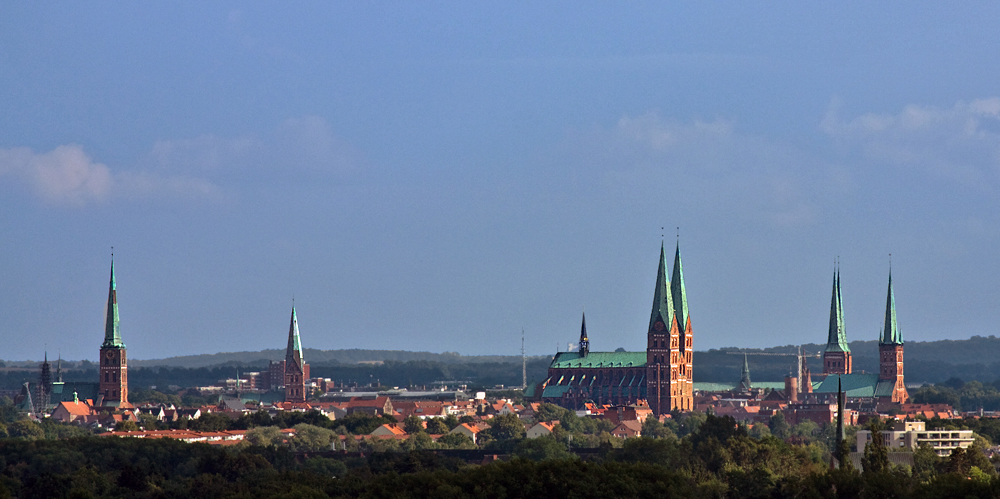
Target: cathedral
x=661 y=375
x=886 y=385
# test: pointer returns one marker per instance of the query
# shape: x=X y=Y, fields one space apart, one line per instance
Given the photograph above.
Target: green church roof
x=678 y=293
x=837 y=336
x=891 y=334
x=294 y=351
x=663 y=302
x=566 y=360
x=854 y=385
x=112 y=333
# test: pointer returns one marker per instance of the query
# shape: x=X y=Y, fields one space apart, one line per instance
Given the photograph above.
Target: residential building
x=911 y=434
x=541 y=429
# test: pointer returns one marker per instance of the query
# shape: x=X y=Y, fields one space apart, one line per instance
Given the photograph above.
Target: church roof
x=678 y=293
x=565 y=360
x=294 y=352
x=837 y=336
x=857 y=385
x=891 y=335
x=663 y=302
x=112 y=333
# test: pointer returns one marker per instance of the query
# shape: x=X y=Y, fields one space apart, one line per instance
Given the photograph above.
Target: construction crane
x=799 y=356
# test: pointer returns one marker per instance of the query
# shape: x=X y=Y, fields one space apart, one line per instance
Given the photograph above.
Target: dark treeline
x=970 y=396
x=390 y=373
x=717 y=459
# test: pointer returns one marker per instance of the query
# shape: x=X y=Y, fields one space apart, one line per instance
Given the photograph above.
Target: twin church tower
x=837 y=360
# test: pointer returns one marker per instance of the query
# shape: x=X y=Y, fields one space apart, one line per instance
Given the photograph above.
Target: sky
x=438 y=176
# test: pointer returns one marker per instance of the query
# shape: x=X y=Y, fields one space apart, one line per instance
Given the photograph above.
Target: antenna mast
x=524 y=364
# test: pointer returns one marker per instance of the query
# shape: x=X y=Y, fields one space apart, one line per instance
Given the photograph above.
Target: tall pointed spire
x=745 y=384
x=112 y=335
x=663 y=307
x=584 y=340
x=294 y=352
x=837 y=336
x=678 y=292
x=890 y=332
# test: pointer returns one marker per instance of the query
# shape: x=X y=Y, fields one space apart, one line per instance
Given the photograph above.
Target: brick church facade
x=661 y=375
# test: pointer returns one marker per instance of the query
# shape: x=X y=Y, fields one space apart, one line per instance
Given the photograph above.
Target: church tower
x=685 y=347
x=837 y=356
x=296 y=371
x=668 y=350
x=584 y=340
x=114 y=365
x=745 y=385
x=890 y=350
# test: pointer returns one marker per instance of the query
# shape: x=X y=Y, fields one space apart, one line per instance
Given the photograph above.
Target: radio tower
x=524 y=364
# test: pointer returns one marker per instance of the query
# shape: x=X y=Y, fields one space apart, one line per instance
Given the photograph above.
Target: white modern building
x=910 y=434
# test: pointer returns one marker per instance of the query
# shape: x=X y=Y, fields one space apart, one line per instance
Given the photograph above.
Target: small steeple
x=663 y=308
x=678 y=293
x=59 y=369
x=294 y=352
x=745 y=385
x=837 y=336
x=891 y=334
x=112 y=334
x=584 y=340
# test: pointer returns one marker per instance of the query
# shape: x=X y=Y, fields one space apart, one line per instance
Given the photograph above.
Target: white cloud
x=297 y=149
x=960 y=143
x=66 y=175
x=706 y=167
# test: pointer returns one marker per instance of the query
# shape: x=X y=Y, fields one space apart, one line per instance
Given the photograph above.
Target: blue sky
x=440 y=176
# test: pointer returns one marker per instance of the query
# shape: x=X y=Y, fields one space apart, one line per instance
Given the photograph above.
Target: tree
x=27 y=429
x=312 y=438
x=876 y=458
x=451 y=422
x=760 y=430
x=542 y=448
x=779 y=427
x=126 y=425
x=148 y=421
x=264 y=436
x=843 y=454
x=212 y=421
x=506 y=427
x=412 y=424
x=456 y=441
x=653 y=428
x=437 y=426
x=925 y=461
x=550 y=412
x=976 y=456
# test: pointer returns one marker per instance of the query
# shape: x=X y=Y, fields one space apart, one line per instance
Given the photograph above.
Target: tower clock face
x=110 y=354
x=659 y=326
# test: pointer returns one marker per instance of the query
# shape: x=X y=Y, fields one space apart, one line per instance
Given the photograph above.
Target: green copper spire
x=745 y=384
x=584 y=340
x=678 y=293
x=891 y=334
x=663 y=308
x=837 y=337
x=294 y=352
x=112 y=335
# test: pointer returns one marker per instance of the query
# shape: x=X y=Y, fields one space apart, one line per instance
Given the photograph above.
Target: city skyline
x=437 y=178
